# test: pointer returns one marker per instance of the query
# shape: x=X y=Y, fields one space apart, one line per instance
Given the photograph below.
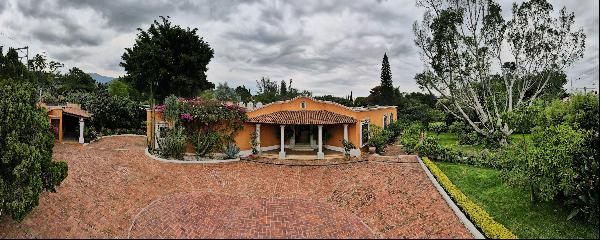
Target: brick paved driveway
x=113 y=187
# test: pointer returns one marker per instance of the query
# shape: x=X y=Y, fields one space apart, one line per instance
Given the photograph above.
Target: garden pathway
x=111 y=193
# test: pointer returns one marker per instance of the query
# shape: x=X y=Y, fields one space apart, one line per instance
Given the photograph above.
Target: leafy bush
x=173 y=144
x=458 y=127
x=26 y=142
x=477 y=214
x=438 y=127
x=254 y=143
x=205 y=143
x=232 y=150
x=110 y=112
x=410 y=136
x=562 y=161
x=395 y=128
x=347 y=147
x=172 y=109
x=379 y=138
x=468 y=138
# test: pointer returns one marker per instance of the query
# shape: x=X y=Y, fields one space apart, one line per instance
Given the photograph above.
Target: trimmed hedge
x=477 y=214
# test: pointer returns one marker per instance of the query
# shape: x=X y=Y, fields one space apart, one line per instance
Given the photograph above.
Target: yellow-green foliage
x=478 y=215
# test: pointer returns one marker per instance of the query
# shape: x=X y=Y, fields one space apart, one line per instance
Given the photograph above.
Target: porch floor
x=302 y=155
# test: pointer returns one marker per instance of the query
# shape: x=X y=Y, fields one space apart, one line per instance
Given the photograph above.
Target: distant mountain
x=100 y=78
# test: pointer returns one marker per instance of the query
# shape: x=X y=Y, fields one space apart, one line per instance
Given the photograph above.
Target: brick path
x=202 y=215
x=111 y=181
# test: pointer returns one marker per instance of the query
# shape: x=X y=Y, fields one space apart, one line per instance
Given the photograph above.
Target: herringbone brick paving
x=106 y=189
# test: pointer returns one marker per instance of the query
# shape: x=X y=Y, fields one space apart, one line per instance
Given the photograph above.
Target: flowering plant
x=159 y=108
x=186 y=117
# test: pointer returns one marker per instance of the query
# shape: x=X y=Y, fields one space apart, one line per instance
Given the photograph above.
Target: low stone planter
x=192 y=161
x=117 y=135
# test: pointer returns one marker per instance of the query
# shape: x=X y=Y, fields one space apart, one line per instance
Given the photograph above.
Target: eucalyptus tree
x=484 y=66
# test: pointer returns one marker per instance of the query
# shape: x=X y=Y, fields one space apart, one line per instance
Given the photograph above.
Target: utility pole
x=26 y=48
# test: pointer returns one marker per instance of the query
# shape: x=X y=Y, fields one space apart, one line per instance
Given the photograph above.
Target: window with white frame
x=364 y=129
x=385 y=121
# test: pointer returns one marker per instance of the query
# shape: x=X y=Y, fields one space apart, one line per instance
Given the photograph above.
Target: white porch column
x=346 y=132
x=282 y=139
x=81 y=123
x=258 y=137
x=320 y=154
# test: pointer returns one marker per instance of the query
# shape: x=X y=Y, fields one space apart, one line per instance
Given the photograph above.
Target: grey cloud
x=124 y=15
x=259 y=35
x=74 y=35
x=259 y=38
x=70 y=55
x=3 y=6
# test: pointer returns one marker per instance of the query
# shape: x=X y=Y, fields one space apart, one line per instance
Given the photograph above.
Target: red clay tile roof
x=315 y=117
x=76 y=112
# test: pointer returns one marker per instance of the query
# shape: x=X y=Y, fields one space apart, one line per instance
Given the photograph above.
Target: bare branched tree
x=484 y=66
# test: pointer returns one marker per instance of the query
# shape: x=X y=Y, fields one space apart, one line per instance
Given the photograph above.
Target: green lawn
x=512 y=207
x=451 y=140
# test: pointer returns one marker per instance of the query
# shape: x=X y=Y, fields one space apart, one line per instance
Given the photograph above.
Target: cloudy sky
x=329 y=47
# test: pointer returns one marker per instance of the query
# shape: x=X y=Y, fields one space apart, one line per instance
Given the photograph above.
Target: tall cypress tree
x=387 y=87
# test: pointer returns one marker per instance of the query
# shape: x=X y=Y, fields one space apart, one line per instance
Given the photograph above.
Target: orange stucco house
x=65 y=119
x=314 y=125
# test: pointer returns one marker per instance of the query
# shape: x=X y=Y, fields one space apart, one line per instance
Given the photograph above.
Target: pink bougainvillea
x=159 y=108
x=186 y=117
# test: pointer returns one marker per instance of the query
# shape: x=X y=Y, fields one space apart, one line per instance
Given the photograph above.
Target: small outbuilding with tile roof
x=67 y=121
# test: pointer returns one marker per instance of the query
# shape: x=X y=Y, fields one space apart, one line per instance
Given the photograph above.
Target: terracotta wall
x=57 y=112
x=269 y=133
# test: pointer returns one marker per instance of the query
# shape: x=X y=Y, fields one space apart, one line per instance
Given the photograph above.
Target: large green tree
x=10 y=66
x=465 y=43
x=76 y=80
x=225 y=93
x=387 y=87
x=168 y=59
x=26 y=141
x=244 y=93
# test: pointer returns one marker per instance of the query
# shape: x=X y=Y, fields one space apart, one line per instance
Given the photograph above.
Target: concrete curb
x=461 y=216
x=203 y=161
x=117 y=135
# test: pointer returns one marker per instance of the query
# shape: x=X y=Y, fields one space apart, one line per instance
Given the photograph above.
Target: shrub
x=562 y=161
x=410 y=136
x=232 y=150
x=379 y=138
x=110 y=112
x=477 y=214
x=205 y=143
x=395 y=128
x=458 y=127
x=437 y=127
x=172 y=109
x=173 y=144
x=26 y=142
x=468 y=138
x=347 y=147
x=254 y=142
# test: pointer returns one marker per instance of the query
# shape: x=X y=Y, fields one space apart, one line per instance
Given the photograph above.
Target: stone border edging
x=303 y=165
x=207 y=161
x=116 y=135
x=461 y=216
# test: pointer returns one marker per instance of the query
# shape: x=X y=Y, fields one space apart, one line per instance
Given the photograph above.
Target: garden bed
x=190 y=159
x=512 y=206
